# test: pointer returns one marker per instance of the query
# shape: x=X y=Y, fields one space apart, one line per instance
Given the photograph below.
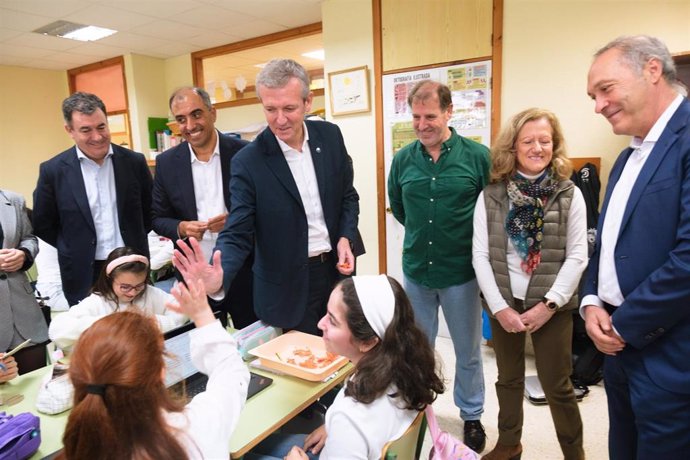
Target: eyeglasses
x=127 y=288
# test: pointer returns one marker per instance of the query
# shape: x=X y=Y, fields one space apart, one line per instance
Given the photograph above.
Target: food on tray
x=300 y=355
x=303 y=356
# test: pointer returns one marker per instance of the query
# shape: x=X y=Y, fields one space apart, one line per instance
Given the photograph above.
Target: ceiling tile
x=157 y=28
x=168 y=30
x=212 y=17
x=15 y=20
x=176 y=49
x=158 y=8
x=50 y=8
x=112 y=18
x=72 y=60
x=23 y=51
x=51 y=65
x=6 y=34
x=211 y=39
x=19 y=61
x=255 y=28
x=43 y=41
x=133 y=41
x=98 y=50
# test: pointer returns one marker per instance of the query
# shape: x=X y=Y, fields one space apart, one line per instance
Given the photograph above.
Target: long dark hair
x=104 y=284
x=121 y=356
x=404 y=358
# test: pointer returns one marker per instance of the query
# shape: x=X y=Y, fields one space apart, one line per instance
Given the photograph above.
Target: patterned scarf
x=525 y=221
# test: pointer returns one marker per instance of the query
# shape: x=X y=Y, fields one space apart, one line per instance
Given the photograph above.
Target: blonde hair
x=503 y=157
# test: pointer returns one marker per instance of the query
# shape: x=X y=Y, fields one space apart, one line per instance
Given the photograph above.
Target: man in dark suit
x=637 y=295
x=191 y=194
x=91 y=198
x=293 y=202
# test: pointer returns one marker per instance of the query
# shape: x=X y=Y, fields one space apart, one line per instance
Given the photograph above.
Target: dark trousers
x=239 y=301
x=74 y=298
x=322 y=278
x=645 y=420
x=31 y=358
x=553 y=358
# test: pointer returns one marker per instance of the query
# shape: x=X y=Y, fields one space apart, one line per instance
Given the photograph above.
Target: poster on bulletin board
x=470 y=86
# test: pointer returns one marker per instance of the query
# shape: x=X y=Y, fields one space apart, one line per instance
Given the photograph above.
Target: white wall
x=146 y=96
x=236 y=118
x=547 y=50
x=348 y=41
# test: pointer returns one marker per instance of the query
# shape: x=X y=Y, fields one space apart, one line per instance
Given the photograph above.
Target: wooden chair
x=409 y=445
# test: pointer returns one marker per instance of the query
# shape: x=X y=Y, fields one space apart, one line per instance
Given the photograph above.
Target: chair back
x=407 y=446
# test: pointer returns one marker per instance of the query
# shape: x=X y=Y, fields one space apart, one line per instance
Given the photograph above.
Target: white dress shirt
x=49 y=281
x=302 y=169
x=609 y=290
x=207 y=177
x=99 y=181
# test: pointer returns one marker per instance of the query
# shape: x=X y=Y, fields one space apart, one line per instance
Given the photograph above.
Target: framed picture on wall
x=349 y=91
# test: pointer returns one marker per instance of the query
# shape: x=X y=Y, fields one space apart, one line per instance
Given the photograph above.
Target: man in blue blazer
x=191 y=196
x=637 y=296
x=91 y=198
x=293 y=202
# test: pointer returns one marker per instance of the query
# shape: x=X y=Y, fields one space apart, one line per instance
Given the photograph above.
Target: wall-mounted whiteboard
x=470 y=85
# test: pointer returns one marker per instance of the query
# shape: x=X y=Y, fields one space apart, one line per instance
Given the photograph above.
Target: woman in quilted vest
x=529 y=250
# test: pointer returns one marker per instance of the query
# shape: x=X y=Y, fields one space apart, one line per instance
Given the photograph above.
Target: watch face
x=551 y=305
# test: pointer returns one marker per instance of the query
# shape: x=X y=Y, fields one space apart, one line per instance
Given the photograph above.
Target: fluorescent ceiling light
x=90 y=34
x=73 y=31
x=318 y=54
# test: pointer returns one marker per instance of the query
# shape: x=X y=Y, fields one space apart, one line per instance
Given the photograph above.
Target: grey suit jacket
x=18 y=306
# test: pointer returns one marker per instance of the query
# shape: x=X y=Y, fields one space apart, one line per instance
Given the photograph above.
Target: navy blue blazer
x=62 y=217
x=652 y=257
x=173 y=186
x=267 y=215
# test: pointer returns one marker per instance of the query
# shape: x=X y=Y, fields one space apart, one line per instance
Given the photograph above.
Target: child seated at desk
x=370 y=321
x=122 y=409
x=122 y=285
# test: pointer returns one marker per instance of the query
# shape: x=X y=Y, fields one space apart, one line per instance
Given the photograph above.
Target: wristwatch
x=550 y=304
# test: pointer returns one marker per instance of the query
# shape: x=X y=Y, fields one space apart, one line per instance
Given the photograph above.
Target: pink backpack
x=446 y=447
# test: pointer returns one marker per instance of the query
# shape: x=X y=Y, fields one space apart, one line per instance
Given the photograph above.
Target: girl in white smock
x=123 y=285
x=370 y=321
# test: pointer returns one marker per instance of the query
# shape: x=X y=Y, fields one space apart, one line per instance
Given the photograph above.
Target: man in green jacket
x=433 y=186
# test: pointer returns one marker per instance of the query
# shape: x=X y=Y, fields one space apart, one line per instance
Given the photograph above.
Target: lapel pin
x=318 y=149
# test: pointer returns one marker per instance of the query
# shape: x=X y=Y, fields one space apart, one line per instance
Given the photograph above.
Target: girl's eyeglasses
x=127 y=288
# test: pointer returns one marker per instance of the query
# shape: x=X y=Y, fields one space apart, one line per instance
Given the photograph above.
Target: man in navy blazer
x=293 y=202
x=191 y=196
x=91 y=198
x=637 y=296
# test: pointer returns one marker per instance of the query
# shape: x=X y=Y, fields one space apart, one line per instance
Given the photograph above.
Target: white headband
x=125 y=259
x=378 y=302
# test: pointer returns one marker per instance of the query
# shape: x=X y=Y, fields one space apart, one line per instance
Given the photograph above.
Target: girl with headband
x=370 y=321
x=122 y=285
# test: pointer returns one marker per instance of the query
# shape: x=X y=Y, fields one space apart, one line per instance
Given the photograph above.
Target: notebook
x=183 y=377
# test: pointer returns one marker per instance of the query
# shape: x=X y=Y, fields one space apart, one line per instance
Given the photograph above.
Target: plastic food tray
x=269 y=352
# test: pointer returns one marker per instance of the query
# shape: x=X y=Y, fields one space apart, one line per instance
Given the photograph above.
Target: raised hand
x=191 y=263
x=192 y=302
